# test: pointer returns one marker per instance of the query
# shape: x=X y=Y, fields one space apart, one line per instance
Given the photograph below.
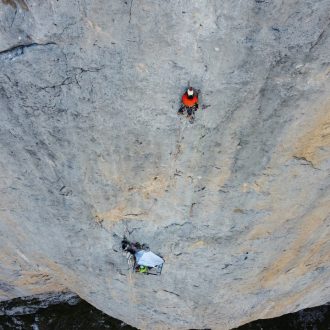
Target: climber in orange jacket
x=189 y=103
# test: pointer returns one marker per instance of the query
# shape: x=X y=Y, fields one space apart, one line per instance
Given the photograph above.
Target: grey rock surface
x=92 y=149
x=31 y=304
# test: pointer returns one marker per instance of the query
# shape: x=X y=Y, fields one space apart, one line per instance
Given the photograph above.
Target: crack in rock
x=172 y=293
x=306 y=162
x=16 y=51
x=130 y=12
x=319 y=38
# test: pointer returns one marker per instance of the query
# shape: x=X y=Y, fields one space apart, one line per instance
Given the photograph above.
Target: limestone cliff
x=238 y=203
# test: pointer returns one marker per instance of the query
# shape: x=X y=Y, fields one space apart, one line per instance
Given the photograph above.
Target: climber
x=130 y=247
x=189 y=103
x=145 y=261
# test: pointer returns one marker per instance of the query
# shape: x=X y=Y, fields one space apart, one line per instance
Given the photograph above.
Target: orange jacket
x=189 y=102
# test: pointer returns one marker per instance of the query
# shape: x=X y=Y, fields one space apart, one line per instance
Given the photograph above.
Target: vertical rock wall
x=92 y=149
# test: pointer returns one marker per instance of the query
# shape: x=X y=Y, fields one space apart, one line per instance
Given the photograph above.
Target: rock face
x=68 y=311
x=92 y=149
x=62 y=311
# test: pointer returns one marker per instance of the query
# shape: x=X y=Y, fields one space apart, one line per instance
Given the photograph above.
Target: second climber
x=189 y=103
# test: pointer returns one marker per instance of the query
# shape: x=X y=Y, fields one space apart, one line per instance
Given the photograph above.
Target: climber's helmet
x=190 y=91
